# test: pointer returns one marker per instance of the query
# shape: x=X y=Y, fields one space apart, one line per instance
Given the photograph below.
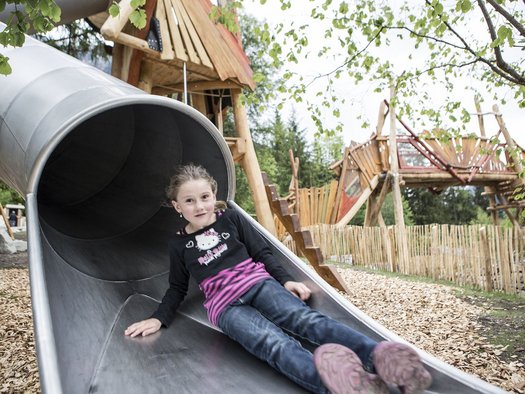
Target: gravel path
x=427 y=315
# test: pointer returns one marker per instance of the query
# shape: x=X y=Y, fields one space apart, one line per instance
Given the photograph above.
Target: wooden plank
x=134 y=73
x=188 y=44
x=167 y=46
x=331 y=201
x=223 y=48
x=335 y=211
x=201 y=51
x=176 y=38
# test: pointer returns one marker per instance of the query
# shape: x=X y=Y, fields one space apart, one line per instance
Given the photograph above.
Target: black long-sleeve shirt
x=230 y=240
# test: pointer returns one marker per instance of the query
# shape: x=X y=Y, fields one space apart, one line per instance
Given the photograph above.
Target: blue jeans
x=262 y=319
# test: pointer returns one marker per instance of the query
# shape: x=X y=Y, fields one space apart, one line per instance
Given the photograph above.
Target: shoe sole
x=342 y=371
x=399 y=364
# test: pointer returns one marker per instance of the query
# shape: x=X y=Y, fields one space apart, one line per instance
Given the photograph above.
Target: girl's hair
x=191 y=172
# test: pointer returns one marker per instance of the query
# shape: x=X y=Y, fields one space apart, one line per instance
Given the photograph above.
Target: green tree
x=264 y=71
x=8 y=195
x=315 y=170
x=387 y=210
x=454 y=205
x=80 y=40
x=433 y=48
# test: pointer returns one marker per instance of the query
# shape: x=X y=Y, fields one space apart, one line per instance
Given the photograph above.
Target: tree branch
x=508 y=16
x=502 y=64
x=349 y=60
x=502 y=69
x=466 y=47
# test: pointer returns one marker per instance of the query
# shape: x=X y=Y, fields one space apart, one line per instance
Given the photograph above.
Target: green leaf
x=466 y=6
x=5 y=68
x=2 y=5
x=138 y=18
x=137 y=3
x=114 y=10
x=55 y=13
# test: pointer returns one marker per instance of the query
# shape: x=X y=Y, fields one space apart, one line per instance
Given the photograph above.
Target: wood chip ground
x=427 y=315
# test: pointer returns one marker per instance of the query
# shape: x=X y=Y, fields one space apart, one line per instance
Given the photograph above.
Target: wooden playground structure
x=370 y=170
x=184 y=54
x=383 y=164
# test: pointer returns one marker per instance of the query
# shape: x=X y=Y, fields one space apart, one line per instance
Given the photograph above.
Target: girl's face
x=196 y=202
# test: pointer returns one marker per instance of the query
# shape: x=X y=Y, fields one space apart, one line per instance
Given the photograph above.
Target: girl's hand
x=299 y=289
x=144 y=327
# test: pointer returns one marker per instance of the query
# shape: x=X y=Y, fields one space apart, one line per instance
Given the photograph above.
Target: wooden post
x=486 y=254
x=199 y=103
x=375 y=209
x=6 y=221
x=488 y=189
x=510 y=142
x=396 y=188
x=294 y=162
x=381 y=118
x=251 y=165
x=480 y=118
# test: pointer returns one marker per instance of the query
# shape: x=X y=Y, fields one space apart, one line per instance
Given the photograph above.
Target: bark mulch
x=427 y=315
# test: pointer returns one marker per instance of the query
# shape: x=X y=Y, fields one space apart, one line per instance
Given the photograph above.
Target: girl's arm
x=165 y=313
x=177 y=290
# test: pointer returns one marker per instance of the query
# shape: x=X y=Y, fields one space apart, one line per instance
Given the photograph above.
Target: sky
x=361 y=100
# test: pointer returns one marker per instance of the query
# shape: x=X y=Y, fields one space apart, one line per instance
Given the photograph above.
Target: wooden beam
x=376 y=210
x=207 y=85
x=510 y=142
x=481 y=121
x=112 y=27
x=176 y=38
x=137 y=55
x=335 y=212
x=201 y=51
x=381 y=118
x=136 y=43
x=199 y=103
x=167 y=48
x=237 y=147
x=250 y=165
x=188 y=44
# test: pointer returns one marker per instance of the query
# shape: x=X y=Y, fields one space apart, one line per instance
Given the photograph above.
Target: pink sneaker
x=399 y=364
x=342 y=372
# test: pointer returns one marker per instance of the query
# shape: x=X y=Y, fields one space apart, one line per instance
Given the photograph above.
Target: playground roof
x=213 y=56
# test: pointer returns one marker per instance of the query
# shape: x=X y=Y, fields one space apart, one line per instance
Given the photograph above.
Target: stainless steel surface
x=93 y=156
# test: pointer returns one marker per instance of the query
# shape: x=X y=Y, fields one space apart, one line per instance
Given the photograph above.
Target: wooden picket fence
x=483 y=256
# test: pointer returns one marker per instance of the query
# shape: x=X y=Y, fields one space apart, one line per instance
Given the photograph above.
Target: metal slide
x=93 y=155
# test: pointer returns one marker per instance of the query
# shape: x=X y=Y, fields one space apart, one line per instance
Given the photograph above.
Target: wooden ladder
x=302 y=238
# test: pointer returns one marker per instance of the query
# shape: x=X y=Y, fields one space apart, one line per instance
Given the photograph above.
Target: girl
x=253 y=300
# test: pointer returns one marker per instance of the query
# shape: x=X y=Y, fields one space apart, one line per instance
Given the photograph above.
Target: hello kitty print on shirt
x=210 y=241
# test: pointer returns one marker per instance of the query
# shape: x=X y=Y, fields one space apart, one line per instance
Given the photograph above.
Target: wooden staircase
x=302 y=238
